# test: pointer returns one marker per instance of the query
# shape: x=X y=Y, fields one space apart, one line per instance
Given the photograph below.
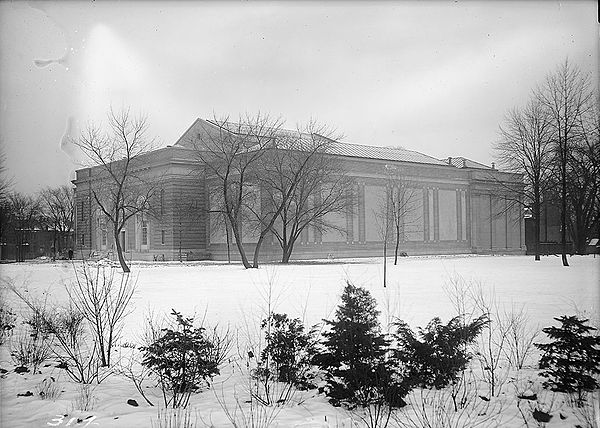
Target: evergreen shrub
x=183 y=359
x=355 y=357
x=439 y=353
x=571 y=361
x=288 y=351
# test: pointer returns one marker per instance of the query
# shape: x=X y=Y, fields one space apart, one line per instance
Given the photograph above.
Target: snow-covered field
x=230 y=295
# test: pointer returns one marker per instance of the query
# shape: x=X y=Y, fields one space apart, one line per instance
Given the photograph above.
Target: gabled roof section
x=200 y=126
x=461 y=162
x=335 y=148
x=382 y=153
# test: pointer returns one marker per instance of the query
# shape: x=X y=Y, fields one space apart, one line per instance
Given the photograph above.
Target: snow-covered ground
x=230 y=295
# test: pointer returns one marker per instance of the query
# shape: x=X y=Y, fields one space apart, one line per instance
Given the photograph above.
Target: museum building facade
x=459 y=207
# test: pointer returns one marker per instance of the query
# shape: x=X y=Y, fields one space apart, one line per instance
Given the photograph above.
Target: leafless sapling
x=104 y=301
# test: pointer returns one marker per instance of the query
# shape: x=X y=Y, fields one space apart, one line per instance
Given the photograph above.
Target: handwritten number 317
x=59 y=419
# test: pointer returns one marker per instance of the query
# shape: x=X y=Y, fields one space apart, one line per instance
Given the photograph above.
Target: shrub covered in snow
x=288 y=351
x=182 y=358
x=438 y=354
x=571 y=362
x=357 y=368
x=7 y=319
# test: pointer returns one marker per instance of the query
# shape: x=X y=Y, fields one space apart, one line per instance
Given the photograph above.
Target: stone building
x=460 y=207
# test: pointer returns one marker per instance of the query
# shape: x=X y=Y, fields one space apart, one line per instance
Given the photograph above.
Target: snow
x=230 y=295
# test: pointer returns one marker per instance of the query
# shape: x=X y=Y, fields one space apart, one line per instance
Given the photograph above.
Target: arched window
x=162 y=201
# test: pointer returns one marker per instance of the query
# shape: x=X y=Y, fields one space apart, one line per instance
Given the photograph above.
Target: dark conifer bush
x=439 y=353
x=288 y=351
x=571 y=361
x=355 y=359
x=182 y=359
x=7 y=320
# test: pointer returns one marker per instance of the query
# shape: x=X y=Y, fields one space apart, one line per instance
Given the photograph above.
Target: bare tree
x=68 y=335
x=403 y=206
x=5 y=186
x=228 y=154
x=103 y=301
x=525 y=148
x=58 y=206
x=521 y=336
x=302 y=184
x=395 y=212
x=5 y=182
x=583 y=183
x=279 y=171
x=383 y=219
x=567 y=96
x=119 y=187
x=469 y=298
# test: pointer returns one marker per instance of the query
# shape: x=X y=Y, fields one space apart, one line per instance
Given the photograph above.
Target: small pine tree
x=182 y=358
x=289 y=349
x=354 y=360
x=572 y=359
x=438 y=358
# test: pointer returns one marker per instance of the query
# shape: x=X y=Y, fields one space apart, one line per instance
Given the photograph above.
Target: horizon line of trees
x=50 y=209
x=554 y=142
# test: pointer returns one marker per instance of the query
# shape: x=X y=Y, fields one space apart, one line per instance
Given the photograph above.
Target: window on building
x=83 y=239
x=144 y=232
x=162 y=237
x=104 y=237
x=162 y=201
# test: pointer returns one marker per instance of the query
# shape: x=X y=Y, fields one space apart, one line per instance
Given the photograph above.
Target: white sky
x=436 y=77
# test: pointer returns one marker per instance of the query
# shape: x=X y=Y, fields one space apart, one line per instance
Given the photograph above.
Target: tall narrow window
x=104 y=237
x=162 y=201
x=144 y=232
x=162 y=237
x=83 y=239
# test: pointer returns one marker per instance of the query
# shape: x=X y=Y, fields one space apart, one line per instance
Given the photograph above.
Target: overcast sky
x=436 y=77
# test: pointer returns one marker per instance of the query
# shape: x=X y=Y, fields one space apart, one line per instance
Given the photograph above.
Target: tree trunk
x=537 y=221
x=384 y=263
x=287 y=252
x=581 y=246
x=54 y=244
x=239 y=245
x=122 y=261
x=563 y=211
x=396 y=248
x=228 y=233
x=261 y=238
x=61 y=237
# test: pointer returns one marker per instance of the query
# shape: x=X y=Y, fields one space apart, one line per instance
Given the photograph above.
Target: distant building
x=29 y=244
x=462 y=207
